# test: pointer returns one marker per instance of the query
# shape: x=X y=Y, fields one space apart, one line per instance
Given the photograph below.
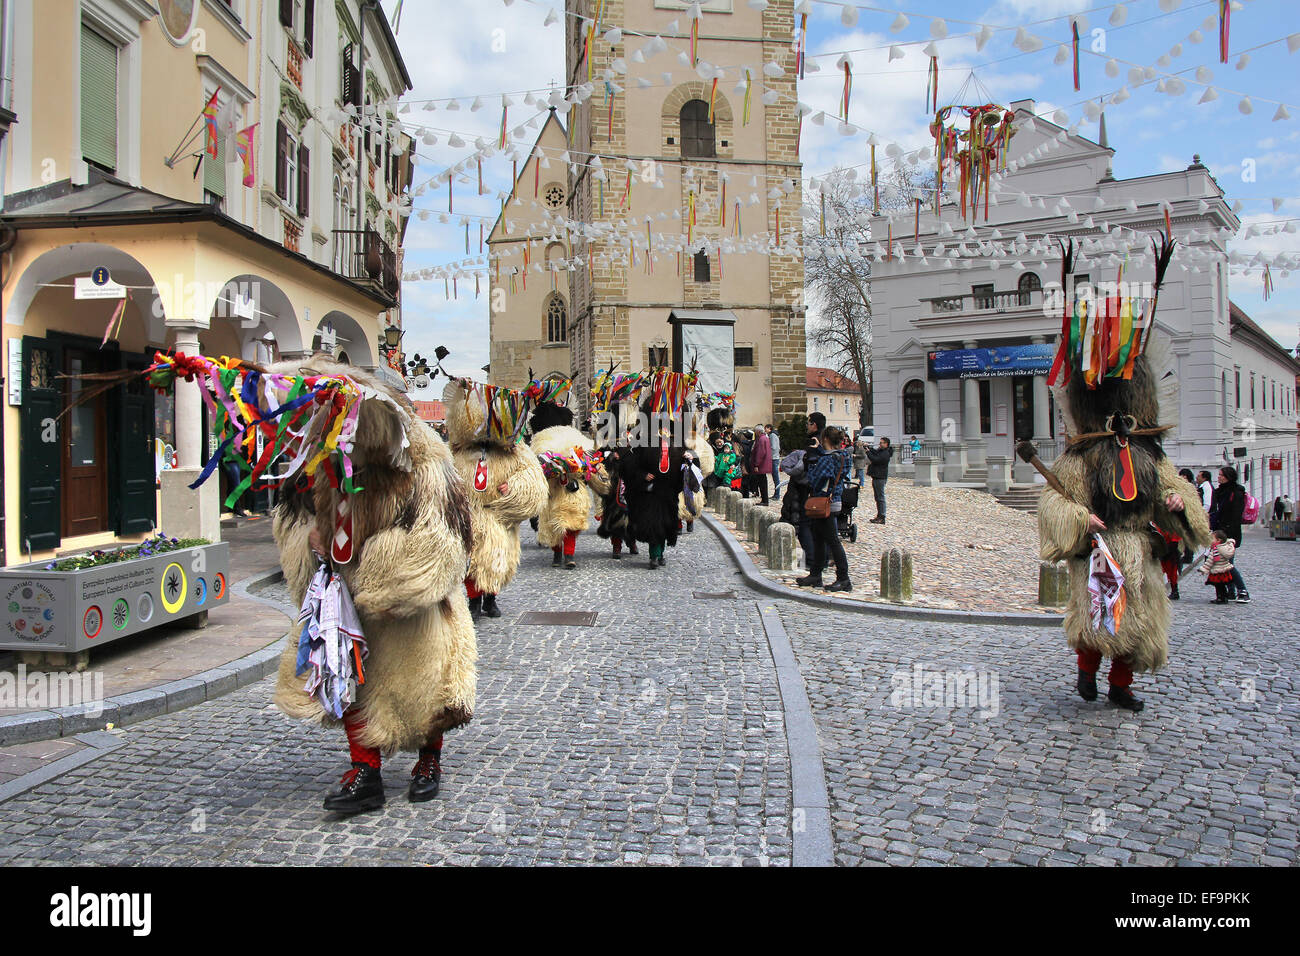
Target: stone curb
x=164 y=699
x=758 y=581
x=810 y=803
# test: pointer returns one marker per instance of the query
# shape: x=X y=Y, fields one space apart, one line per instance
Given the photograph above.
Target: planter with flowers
x=77 y=603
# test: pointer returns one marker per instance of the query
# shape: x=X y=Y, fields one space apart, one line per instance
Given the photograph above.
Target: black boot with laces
x=426 y=776
x=362 y=788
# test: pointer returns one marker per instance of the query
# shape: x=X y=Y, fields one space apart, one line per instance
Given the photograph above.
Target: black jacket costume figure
x=613 y=504
x=652 y=477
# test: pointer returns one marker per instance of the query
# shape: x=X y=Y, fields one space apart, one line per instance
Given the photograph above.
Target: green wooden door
x=136 y=482
x=41 y=445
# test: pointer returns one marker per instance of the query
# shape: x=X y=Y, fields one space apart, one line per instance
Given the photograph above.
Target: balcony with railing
x=363 y=256
x=989 y=303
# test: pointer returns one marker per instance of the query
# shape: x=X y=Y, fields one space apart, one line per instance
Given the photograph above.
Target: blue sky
x=482 y=49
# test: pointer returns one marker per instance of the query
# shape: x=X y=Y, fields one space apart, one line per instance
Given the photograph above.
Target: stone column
x=186 y=512
x=976 y=447
x=1042 y=403
x=933 y=428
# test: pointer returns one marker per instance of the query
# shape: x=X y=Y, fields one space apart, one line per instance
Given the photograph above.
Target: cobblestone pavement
x=1207 y=774
x=960 y=539
x=655 y=736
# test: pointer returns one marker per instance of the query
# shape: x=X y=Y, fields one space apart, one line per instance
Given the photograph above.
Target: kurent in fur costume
x=690 y=507
x=567 y=511
x=505 y=486
x=411 y=533
x=1118 y=483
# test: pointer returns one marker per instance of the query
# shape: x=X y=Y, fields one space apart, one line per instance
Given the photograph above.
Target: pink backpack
x=1251 y=510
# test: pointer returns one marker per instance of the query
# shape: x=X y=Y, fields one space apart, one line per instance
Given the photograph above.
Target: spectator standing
x=744 y=447
x=774 y=440
x=915 y=444
x=1226 y=506
x=827 y=477
x=760 y=463
x=1288 y=508
x=879 y=472
x=860 y=460
x=1205 y=488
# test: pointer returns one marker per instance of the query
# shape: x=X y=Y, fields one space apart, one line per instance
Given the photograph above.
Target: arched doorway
x=352 y=345
x=87 y=469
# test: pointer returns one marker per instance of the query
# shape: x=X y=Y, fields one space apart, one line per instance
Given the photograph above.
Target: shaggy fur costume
x=495 y=556
x=568 y=507
x=1086 y=471
x=704 y=459
x=412 y=535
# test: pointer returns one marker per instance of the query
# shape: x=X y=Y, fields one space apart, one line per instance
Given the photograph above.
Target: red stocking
x=354 y=724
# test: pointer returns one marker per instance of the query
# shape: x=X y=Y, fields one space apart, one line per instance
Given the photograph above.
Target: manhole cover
x=559 y=618
x=713 y=595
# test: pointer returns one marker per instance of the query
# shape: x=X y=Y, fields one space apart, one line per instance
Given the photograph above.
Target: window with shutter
x=308 y=24
x=697 y=131
x=281 y=148
x=98 y=100
x=286 y=13
x=345 y=74
x=304 y=180
x=701 y=267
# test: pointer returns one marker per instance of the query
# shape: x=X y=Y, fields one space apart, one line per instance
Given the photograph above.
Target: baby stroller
x=844 y=523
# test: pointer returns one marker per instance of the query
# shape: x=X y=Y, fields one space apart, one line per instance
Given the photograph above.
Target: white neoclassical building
x=962 y=351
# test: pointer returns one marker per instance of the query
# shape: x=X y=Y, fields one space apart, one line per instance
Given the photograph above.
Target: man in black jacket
x=878 y=469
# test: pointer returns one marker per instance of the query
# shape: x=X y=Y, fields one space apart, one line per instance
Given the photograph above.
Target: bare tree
x=837 y=272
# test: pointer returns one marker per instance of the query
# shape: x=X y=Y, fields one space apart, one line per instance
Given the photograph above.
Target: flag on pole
x=246 y=152
x=210 y=123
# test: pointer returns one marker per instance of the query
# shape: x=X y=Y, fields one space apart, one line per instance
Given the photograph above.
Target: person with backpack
x=826 y=478
x=1228 y=511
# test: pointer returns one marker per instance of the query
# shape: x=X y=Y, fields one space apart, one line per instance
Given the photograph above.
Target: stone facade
x=528 y=277
x=622 y=292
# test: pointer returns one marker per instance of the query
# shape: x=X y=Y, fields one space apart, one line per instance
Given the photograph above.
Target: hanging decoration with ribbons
x=932 y=85
x=1074 y=46
x=1225 y=17
x=847 y=65
x=975 y=152
x=1268 y=283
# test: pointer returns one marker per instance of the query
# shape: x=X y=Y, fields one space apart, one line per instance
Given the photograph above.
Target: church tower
x=683 y=183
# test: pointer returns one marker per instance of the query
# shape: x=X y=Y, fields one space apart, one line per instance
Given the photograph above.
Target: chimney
x=1027 y=105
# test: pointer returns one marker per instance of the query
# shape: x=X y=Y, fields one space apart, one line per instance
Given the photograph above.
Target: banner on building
x=1003 y=361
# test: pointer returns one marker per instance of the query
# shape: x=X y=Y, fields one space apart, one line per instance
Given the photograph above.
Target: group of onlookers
x=1226 y=503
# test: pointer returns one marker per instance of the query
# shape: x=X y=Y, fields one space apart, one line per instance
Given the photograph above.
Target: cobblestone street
x=621 y=743
x=666 y=743
x=1207 y=774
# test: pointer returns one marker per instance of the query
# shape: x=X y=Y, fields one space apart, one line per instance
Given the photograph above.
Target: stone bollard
x=730 y=502
x=999 y=473
x=780 y=547
x=742 y=513
x=711 y=499
x=1053 y=584
x=896 y=575
x=763 y=521
x=753 y=521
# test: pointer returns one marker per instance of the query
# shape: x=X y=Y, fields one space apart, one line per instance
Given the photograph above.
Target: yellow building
x=111 y=199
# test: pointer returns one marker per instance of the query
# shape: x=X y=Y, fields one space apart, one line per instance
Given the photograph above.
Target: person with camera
x=826 y=478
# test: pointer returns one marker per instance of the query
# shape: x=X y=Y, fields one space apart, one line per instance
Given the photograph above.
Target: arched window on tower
x=698 y=140
x=557 y=319
x=914 y=407
x=1029 y=283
